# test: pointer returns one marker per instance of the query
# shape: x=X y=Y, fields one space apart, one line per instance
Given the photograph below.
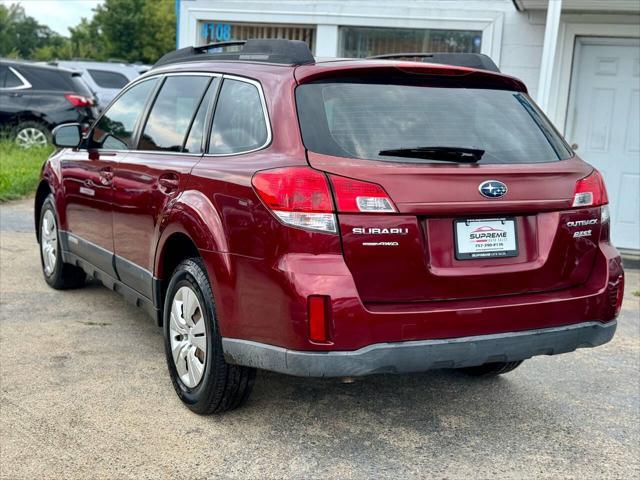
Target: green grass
x=20 y=169
x=637 y=293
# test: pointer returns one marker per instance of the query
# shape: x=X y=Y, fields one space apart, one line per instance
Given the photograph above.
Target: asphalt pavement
x=85 y=394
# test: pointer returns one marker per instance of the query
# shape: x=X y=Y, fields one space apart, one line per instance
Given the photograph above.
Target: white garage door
x=604 y=121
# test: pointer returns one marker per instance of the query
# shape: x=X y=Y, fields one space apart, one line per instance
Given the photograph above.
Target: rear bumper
x=421 y=355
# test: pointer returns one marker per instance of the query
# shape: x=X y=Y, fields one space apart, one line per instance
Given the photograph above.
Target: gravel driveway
x=85 y=394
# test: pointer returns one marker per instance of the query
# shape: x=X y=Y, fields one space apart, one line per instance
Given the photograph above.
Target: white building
x=579 y=59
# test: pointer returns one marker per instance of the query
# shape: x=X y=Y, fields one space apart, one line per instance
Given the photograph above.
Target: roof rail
x=471 y=60
x=271 y=50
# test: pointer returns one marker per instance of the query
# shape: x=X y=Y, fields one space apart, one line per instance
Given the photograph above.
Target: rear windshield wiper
x=445 y=154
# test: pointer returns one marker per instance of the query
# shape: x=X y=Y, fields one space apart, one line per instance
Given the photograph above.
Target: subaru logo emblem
x=492 y=189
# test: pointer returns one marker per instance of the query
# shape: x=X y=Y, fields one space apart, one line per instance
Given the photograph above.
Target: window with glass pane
x=238 y=122
x=212 y=31
x=107 y=79
x=369 y=121
x=196 y=133
x=114 y=131
x=172 y=112
x=359 y=42
x=11 y=80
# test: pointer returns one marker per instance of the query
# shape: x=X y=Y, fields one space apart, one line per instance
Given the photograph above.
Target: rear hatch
x=480 y=186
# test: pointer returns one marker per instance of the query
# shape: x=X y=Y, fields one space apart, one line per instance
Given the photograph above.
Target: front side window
x=421 y=124
x=172 y=112
x=106 y=79
x=115 y=129
x=239 y=122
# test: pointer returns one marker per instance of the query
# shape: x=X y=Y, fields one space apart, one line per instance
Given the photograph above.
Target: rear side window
x=172 y=112
x=106 y=79
x=8 y=79
x=114 y=130
x=48 y=78
x=239 y=123
x=361 y=120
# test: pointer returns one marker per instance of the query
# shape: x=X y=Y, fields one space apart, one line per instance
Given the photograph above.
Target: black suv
x=34 y=99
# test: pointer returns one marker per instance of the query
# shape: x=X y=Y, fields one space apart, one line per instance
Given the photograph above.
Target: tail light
x=590 y=191
x=358 y=196
x=301 y=197
x=298 y=196
x=79 y=100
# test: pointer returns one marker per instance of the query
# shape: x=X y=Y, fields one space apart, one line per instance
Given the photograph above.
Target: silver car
x=105 y=79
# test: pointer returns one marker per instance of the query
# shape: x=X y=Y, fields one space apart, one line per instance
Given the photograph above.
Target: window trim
x=25 y=83
x=211 y=112
x=265 y=112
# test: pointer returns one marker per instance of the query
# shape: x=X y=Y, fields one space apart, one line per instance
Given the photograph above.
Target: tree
x=136 y=30
x=20 y=34
x=129 y=30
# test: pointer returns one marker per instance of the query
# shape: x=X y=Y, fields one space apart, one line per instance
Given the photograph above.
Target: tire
x=491 y=369
x=32 y=134
x=201 y=377
x=57 y=274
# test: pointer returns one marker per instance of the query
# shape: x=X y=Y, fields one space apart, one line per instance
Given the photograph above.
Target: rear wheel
x=491 y=369
x=32 y=134
x=203 y=380
x=57 y=274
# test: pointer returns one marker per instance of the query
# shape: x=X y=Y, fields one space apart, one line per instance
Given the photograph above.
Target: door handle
x=168 y=182
x=106 y=176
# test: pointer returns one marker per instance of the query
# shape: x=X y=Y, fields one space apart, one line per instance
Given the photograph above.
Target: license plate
x=485 y=238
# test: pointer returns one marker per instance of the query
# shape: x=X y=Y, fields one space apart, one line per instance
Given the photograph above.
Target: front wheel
x=57 y=274
x=201 y=377
x=491 y=369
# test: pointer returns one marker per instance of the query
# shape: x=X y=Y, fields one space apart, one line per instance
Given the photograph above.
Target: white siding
x=512 y=38
x=516 y=36
x=522 y=40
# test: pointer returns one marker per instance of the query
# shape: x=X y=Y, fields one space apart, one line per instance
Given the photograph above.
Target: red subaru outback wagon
x=332 y=218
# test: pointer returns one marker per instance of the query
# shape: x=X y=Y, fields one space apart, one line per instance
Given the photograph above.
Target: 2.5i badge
x=485 y=238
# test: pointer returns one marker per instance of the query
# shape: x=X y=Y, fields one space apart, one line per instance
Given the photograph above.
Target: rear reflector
x=605 y=224
x=318 y=325
x=298 y=196
x=615 y=291
x=79 y=100
x=358 y=196
x=590 y=191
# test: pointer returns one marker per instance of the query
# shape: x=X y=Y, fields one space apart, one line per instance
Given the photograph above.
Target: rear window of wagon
x=359 y=120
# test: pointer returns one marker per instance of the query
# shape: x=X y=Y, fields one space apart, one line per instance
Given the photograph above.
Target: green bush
x=20 y=169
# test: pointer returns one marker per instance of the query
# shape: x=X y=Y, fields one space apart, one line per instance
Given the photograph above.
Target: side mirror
x=67 y=136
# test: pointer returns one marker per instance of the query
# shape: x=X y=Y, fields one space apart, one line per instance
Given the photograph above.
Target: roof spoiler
x=470 y=60
x=272 y=50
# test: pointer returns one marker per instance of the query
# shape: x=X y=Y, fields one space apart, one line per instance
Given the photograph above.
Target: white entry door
x=604 y=121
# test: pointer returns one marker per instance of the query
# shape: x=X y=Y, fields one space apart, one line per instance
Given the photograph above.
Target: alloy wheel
x=188 y=336
x=49 y=242
x=31 y=137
